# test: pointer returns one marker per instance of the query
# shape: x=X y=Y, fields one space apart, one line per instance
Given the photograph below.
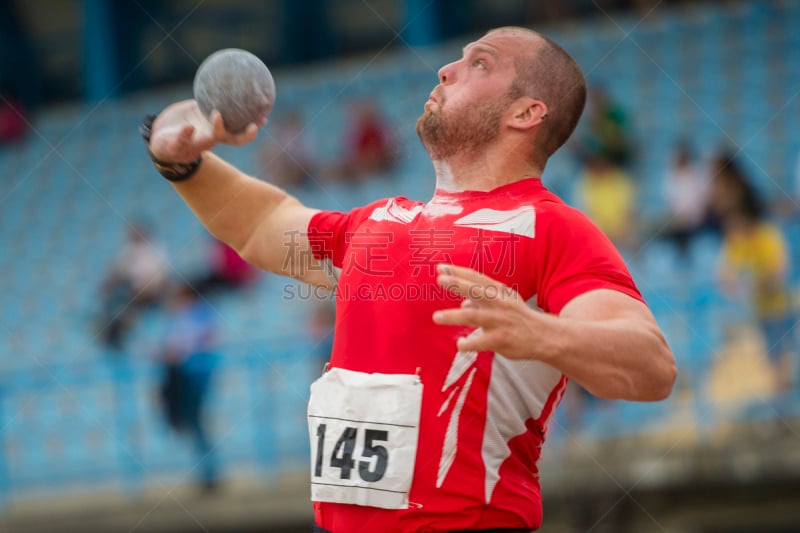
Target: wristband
x=171 y=171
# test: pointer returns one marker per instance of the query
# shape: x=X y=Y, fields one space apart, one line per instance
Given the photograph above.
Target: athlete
x=459 y=320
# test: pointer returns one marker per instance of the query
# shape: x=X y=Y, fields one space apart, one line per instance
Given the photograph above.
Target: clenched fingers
x=236 y=139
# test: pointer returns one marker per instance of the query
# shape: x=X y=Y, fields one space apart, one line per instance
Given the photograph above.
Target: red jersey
x=483 y=417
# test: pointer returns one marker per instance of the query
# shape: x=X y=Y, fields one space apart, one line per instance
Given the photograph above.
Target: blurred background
x=151 y=381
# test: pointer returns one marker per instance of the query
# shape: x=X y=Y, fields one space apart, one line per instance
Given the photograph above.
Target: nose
x=447 y=73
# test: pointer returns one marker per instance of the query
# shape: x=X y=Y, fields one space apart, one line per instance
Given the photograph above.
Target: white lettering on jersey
x=520 y=221
x=395 y=213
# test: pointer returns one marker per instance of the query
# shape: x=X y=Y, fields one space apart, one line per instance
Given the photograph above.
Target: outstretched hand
x=508 y=324
x=181 y=133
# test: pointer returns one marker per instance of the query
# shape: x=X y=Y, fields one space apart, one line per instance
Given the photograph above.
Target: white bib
x=363 y=430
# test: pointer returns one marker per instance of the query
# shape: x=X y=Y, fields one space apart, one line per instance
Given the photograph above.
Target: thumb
x=194 y=140
x=185 y=136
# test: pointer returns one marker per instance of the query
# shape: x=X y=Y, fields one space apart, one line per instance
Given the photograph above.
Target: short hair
x=548 y=73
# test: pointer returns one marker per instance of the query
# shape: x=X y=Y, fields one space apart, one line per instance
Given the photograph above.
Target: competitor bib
x=363 y=430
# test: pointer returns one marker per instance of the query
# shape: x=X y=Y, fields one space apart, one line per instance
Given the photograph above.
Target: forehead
x=505 y=43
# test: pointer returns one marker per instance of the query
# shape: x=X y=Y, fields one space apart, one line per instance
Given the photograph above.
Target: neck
x=463 y=172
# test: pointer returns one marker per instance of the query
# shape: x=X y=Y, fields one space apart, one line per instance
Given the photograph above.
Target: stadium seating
x=73 y=414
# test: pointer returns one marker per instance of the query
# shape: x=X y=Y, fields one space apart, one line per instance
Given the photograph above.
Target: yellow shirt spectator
x=607 y=195
x=759 y=250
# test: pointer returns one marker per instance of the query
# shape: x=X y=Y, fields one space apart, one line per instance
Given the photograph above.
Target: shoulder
x=561 y=218
x=396 y=209
x=554 y=217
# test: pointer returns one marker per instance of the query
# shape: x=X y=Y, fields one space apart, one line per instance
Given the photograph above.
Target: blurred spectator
x=370 y=146
x=607 y=195
x=13 y=119
x=605 y=131
x=136 y=280
x=754 y=255
x=686 y=189
x=286 y=158
x=188 y=362
x=227 y=270
x=730 y=192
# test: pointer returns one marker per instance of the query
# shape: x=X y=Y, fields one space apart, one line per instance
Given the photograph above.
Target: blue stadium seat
x=64 y=215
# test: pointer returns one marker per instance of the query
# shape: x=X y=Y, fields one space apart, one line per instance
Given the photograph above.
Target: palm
x=181 y=133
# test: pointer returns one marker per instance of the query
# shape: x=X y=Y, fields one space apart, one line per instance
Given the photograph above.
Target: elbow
x=669 y=374
x=656 y=383
x=250 y=244
x=653 y=387
x=247 y=250
x=241 y=244
x=255 y=242
x=652 y=383
x=665 y=382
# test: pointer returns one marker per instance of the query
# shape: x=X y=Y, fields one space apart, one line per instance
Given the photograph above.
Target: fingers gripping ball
x=238 y=85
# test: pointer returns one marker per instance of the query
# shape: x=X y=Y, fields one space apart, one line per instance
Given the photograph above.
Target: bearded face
x=468 y=129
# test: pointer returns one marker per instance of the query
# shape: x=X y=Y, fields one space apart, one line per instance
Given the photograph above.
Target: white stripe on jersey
x=518 y=391
x=395 y=213
x=520 y=221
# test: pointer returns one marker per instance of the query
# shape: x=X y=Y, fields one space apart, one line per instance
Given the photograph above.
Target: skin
x=603 y=339
x=484 y=74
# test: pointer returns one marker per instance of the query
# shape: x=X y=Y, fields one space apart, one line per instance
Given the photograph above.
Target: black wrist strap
x=171 y=171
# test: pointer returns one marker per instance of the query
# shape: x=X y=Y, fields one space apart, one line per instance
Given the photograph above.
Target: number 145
x=342 y=455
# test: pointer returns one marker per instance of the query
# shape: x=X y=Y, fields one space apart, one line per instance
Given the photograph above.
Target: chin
x=420 y=121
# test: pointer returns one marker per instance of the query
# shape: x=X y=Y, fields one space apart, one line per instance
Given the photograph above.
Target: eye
x=479 y=63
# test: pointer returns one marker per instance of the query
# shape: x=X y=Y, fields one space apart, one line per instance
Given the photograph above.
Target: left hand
x=181 y=133
x=508 y=324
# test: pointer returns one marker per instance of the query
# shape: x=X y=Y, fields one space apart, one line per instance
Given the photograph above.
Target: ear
x=526 y=113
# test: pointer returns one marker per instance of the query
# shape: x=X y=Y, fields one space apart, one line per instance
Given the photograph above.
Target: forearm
x=228 y=202
x=615 y=359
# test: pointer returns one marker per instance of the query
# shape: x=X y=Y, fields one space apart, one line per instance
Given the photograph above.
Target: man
x=755 y=249
x=136 y=280
x=188 y=361
x=421 y=424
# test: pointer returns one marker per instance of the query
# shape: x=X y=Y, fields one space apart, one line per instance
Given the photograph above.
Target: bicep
x=281 y=245
x=607 y=304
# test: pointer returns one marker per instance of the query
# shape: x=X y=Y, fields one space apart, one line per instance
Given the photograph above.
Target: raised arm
x=264 y=224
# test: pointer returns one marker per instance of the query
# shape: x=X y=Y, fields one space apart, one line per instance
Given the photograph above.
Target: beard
x=475 y=127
